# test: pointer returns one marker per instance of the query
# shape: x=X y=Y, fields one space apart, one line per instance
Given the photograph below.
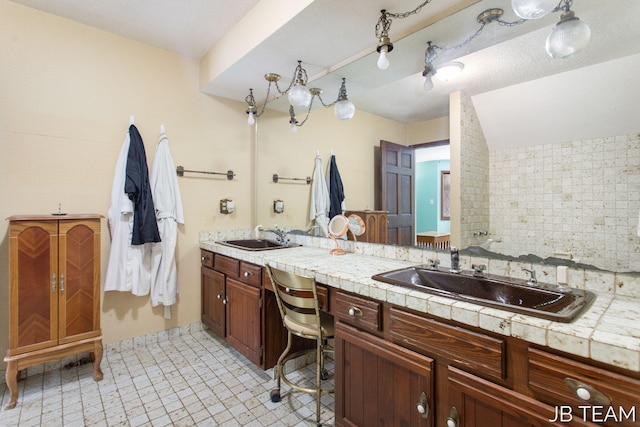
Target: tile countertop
x=609 y=331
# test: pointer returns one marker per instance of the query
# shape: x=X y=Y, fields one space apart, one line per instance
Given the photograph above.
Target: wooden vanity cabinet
x=213 y=292
x=473 y=378
x=54 y=292
x=231 y=292
x=379 y=383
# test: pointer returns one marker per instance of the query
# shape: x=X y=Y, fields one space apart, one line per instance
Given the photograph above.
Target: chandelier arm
x=307 y=116
x=511 y=24
x=326 y=105
x=464 y=42
x=402 y=15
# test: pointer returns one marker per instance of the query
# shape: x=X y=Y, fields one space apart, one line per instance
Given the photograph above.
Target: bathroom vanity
x=404 y=357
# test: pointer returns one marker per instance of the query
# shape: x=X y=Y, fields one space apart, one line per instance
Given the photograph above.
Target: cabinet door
x=379 y=383
x=213 y=300
x=243 y=319
x=33 y=290
x=481 y=403
x=78 y=280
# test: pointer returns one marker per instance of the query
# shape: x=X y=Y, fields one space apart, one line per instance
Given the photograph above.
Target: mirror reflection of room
x=433 y=221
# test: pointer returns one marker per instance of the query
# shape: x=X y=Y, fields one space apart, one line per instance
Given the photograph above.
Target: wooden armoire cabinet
x=375 y=226
x=54 y=292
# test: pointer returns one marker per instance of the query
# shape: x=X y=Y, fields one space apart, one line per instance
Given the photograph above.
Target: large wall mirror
x=547 y=163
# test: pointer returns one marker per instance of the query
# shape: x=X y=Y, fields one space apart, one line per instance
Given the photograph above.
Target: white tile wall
x=579 y=197
x=474 y=176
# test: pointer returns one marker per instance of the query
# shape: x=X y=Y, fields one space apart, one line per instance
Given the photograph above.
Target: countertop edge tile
x=591 y=335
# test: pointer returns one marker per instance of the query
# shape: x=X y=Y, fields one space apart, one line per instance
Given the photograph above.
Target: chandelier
x=300 y=97
x=568 y=37
x=450 y=70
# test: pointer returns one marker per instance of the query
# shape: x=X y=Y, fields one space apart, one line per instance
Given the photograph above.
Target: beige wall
x=293 y=155
x=66 y=94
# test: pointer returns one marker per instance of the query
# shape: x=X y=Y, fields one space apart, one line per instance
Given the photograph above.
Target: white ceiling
x=507 y=71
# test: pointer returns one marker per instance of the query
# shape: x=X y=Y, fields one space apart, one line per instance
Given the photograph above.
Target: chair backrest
x=296 y=296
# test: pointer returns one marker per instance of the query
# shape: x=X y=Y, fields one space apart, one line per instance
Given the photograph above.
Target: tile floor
x=187 y=379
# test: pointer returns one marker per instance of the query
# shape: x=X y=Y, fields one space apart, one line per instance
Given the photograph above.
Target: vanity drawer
x=478 y=352
x=321 y=290
x=226 y=265
x=206 y=258
x=588 y=387
x=361 y=313
x=250 y=274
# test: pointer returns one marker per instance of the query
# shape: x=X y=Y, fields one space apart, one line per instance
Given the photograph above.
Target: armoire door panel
x=77 y=295
x=35 y=290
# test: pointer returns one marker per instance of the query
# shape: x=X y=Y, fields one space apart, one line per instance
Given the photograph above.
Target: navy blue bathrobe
x=145 y=226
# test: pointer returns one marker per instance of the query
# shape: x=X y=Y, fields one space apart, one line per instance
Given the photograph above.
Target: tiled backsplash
x=623 y=284
x=579 y=197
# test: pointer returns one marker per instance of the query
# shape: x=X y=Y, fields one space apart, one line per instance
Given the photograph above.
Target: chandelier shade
x=533 y=9
x=299 y=96
x=344 y=110
x=569 y=36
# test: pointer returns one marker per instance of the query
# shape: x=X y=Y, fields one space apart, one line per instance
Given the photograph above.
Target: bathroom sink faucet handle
x=455 y=260
x=433 y=263
x=532 y=279
x=478 y=269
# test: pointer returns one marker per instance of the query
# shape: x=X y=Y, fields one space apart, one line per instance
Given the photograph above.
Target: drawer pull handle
x=248 y=274
x=423 y=406
x=586 y=393
x=354 y=311
x=219 y=296
x=204 y=259
x=453 y=420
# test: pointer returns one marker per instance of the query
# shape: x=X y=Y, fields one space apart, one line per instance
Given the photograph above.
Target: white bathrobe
x=129 y=267
x=168 y=204
x=320 y=202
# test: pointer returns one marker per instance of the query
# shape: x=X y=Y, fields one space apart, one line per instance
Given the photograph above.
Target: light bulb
x=299 y=96
x=294 y=128
x=569 y=36
x=533 y=9
x=251 y=120
x=428 y=83
x=383 y=61
x=344 y=109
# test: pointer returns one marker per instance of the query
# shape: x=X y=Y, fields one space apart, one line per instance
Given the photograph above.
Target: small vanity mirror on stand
x=338 y=227
x=356 y=226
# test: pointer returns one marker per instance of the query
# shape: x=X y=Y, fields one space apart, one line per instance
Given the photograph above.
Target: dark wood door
x=397 y=172
x=379 y=383
x=481 y=403
x=213 y=299
x=243 y=319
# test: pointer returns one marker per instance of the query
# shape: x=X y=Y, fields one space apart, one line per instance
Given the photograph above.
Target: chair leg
x=319 y=368
x=278 y=370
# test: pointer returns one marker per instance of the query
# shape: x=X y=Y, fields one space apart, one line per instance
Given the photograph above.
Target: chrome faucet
x=433 y=264
x=532 y=279
x=478 y=269
x=455 y=260
x=281 y=235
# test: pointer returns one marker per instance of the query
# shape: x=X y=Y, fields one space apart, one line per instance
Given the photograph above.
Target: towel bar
x=276 y=178
x=180 y=170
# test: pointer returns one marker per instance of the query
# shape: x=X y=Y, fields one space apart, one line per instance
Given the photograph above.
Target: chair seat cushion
x=311 y=330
